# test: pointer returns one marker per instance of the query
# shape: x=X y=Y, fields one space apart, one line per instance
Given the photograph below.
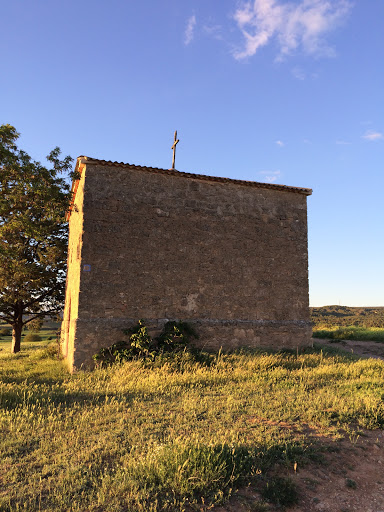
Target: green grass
x=172 y=435
x=46 y=334
x=349 y=333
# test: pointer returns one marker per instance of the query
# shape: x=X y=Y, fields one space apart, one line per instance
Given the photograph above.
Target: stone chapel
x=226 y=255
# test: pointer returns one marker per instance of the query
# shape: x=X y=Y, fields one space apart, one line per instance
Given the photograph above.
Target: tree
x=33 y=234
x=36 y=324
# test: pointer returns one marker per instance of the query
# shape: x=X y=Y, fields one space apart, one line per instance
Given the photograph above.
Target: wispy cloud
x=280 y=143
x=300 y=26
x=270 y=176
x=299 y=73
x=373 y=136
x=214 y=31
x=190 y=30
x=341 y=142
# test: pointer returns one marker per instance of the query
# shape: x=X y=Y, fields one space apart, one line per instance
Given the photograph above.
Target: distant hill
x=346 y=315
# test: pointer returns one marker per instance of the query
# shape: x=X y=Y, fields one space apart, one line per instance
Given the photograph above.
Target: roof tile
x=174 y=172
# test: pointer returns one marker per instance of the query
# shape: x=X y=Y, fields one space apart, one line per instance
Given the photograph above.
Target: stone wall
x=69 y=324
x=228 y=257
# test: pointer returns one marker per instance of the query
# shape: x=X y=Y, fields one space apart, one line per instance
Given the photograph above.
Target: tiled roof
x=173 y=172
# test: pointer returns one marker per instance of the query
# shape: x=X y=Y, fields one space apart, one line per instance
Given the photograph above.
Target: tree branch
x=8 y=319
x=37 y=299
x=38 y=315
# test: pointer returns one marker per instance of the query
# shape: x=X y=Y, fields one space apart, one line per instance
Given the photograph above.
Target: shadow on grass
x=11 y=400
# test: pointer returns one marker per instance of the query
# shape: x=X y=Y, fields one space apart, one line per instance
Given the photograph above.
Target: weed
x=350 y=483
x=174 y=338
x=51 y=351
x=140 y=342
x=281 y=491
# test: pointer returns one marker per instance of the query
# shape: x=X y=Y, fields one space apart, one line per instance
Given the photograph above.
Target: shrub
x=350 y=483
x=174 y=337
x=5 y=331
x=140 y=342
x=51 y=351
x=31 y=336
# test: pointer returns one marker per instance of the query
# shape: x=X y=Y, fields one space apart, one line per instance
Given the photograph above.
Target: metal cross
x=174 y=150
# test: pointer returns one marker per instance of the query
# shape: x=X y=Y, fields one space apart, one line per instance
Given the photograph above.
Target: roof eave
x=204 y=177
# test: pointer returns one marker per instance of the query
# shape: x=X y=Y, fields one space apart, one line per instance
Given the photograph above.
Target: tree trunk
x=17 y=327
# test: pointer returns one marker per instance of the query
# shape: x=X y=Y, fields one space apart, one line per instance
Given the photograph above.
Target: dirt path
x=352 y=480
x=364 y=349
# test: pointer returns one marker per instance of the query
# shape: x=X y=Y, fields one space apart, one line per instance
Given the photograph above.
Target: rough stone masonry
x=228 y=256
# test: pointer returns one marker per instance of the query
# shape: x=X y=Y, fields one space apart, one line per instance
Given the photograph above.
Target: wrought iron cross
x=174 y=150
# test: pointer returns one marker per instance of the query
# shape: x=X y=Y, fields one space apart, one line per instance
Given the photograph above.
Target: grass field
x=349 y=333
x=171 y=435
x=46 y=334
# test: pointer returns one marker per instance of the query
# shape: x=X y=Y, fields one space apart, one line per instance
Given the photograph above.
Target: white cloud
x=343 y=143
x=189 y=31
x=372 y=135
x=280 y=143
x=270 y=176
x=295 y=26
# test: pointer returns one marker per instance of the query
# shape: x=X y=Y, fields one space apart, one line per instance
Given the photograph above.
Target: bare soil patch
x=350 y=480
x=364 y=349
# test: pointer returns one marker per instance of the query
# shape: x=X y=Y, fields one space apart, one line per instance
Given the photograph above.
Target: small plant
x=175 y=336
x=140 y=340
x=281 y=491
x=116 y=353
x=51 y=351
x=32 y=337
x=350 y=483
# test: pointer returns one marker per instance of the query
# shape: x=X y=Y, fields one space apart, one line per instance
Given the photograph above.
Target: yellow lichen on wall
x=68 y=328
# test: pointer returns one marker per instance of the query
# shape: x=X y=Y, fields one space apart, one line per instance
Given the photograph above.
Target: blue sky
x=279 y=91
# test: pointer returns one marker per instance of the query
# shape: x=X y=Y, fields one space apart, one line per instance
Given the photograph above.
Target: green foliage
x=174 y=338
x=335 y=316
x=350 y=483
x=51 y=351
x=139 y=339
x=185 y=472
x=5 y=331
x=36 y=324
x=33 y=233
x=349 y=333
x=281 y=491
x=32 y=337
x=157 y=437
